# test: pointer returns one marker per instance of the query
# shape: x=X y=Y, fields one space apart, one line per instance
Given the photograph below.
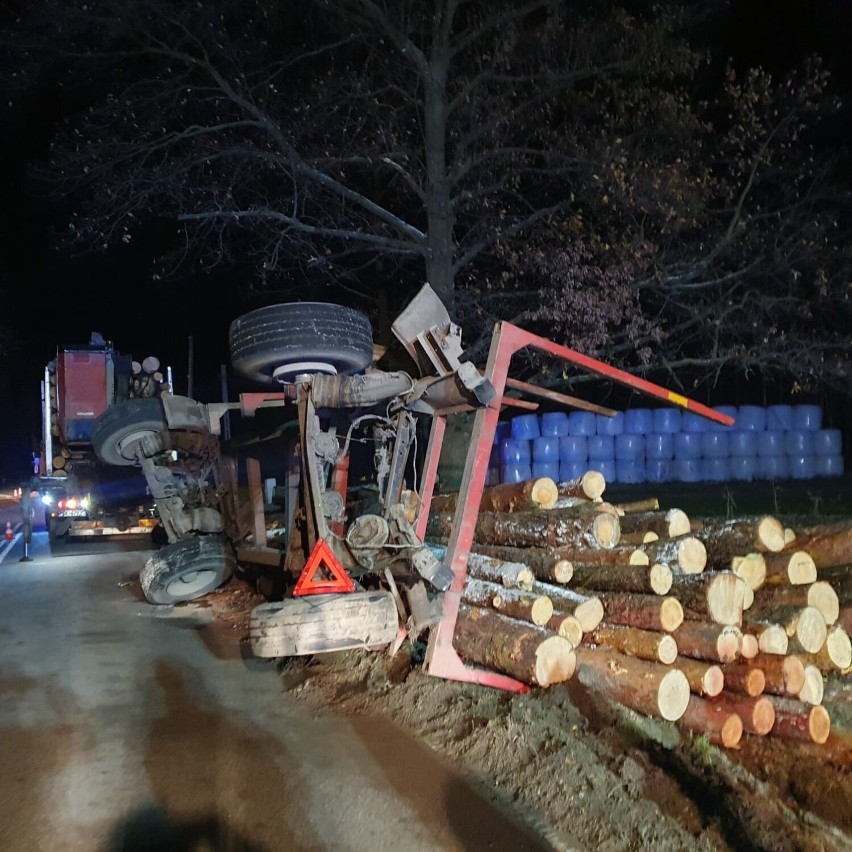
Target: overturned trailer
x=347 y=578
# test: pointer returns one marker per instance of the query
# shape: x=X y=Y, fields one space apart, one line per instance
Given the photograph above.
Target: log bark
x=813 y=689
x=715 y=643
x=725 y=539
x=705 y=679
x=819 y=595
x=512 y=575
x=649 y=612
x=800 y=721
x=757 y=714
x=516 y=603
x=647 y=504
x=545 y=564
x=669 y=523
x=716 y=597
x=744 y=679
x=590 y=486
x=795 y=567
x=771 y=638
x=650 y=580
x=684 y=555
x=826 y=548
x=528 y=653
x=644 y=644
x=834 y=655
x=524 y=496
x=551 y=528
x=781 y=675
x=718 y=724
x=648 y=688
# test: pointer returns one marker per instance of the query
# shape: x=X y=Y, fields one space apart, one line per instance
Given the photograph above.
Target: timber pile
x=724 y=627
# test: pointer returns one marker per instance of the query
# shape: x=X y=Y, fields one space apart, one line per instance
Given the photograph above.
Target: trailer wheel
x=280 y=341
x=121 y=426
x=186 y=570
x=320 y=623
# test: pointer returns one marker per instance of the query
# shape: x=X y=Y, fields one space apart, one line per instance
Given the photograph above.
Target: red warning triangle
x=314 y=579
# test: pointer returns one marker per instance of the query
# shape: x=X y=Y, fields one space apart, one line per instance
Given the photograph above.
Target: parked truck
x=82 y=496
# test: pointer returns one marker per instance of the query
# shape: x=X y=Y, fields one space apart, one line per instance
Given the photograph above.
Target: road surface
x=125 y=726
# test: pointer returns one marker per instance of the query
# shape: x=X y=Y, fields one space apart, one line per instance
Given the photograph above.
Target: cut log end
x=571 y=629
x=763 y=716
x=563 y=571
x=660 y=578
x=544 y=493
x=819 y=724
x=593 y=484
x=801 y=569
x=673 y=695
x=639 y=557
x=729 y=644
x=821 y=596
x=750 y=647
x=678 y=523
x=667 y=650
x=713 y=681
x=813 y=689
x=771 y=534
x=671 y=614
x=555 y=661
x=692 y=555
x=751 y=568
x=838 y=647
x=731 y=731
x=606 y=530
x=811 y=630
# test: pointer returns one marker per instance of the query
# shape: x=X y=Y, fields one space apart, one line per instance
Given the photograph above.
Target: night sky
x=50 y=299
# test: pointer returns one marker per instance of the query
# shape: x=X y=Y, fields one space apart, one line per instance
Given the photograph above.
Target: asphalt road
x=125 y=726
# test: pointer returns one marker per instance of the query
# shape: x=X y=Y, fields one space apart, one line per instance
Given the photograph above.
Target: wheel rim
x=286 y=371
x=126 y=444
x=191 y=582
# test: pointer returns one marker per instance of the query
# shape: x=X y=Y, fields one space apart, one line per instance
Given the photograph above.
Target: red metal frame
x=441 y=658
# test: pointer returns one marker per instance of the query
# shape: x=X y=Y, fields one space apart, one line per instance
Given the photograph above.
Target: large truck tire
x=187 y=569
x=320 y=623
x=120 y=427
x=300 y=337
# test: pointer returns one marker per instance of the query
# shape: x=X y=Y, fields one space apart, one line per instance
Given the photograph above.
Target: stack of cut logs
x=723 y=627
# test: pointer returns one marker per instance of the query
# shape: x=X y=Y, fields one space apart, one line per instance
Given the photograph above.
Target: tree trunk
x=796 y=568
x=827 y=549
x=781 y=675
x=684 y=555
x=716 y=597
x=648 y=612
x=535 y=529
x=515 y=603
x=651 y=580
x=744 y=679
x=666 y=524
x=512 y=575
x=507 y=497
x=800 y=721
x=648 y=504
x=649 y=688
x=718 y=724
x=834 y=655
x=737 y=537
x=545 y=564
x=757 y=714
x=806 y=623
x=644 y=644
x=712 y=642
x=590 y=486
x=704 y=678
x=819 y=595
x=528 y=653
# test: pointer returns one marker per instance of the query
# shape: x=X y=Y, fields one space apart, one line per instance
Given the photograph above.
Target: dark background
x=50 y=299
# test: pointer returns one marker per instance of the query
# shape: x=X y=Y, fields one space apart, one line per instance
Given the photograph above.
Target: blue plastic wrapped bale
x=688 y=470
x=659 y=470
x=687 y=445
x=581 y=423
x=771 y=443
x=545 y=449
x=715 y=470
x=502 y=432
x=525 y=427
x=668 y=421
x=492 y=476
x=605 y=467
x=692 y=422
x=515 y=452
x=828 y=465
x=514 y=473
x=630 y=471
x=802 y=467
x=774 y=467
x=752 y=417
x=659 y=446
x=828 y=442
x=779 y=417
x=629 y=447
x=743 y=468
x=541 y=469
x=743 y=442
x=807 y=417
x=638 y=421
x=574 y=448
x=715 y=445
x=571 y=469
x=609 y=425
x=731 y=411
x=601 y=447
x=553 y=423
x=799 y=442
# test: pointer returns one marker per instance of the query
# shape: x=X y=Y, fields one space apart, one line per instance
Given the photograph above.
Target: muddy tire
x=120 y=427
x=300 y=337
x=186 y=570
x=320 y=623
